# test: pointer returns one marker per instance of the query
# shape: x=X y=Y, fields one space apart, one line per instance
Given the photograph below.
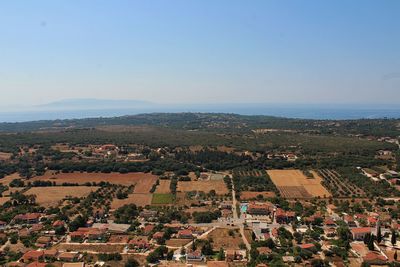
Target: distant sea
x=332 y=112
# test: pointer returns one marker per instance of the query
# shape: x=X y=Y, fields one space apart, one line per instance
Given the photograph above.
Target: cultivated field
x=50 y=196
x=205 y=186
x=138 y=199
x=294 y=184
x=338 y=185
x=163 y=187
x=246 y=195
x=162 y=199
x=7 y=179
x=142 y=181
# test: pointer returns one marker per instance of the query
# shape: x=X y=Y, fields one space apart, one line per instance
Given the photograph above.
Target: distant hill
x=219 y=122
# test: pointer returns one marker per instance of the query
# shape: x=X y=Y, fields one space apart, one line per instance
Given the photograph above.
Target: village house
x=329 y=222
x=68 y=256
x=185 y=234
x=89 y=233
x=51 y=254
x=32 y=255
x=375 y=258
x=43 y=241
x=349 y=220
x=139 y=244
x=148 y=229
x=283 y=217
x=147 y=214
x=24 y=233
x=2 y=225
x=29 y=218
x=58 y=224
x=158 y=236
x=194 y=256
x=36 y=228
x=260 y=209
x=360 y=232
x=225 y=205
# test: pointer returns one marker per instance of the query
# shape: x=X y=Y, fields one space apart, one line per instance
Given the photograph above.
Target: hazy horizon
x=181 y=52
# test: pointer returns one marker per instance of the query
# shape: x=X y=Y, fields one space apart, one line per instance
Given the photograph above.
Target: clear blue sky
x=335 y=51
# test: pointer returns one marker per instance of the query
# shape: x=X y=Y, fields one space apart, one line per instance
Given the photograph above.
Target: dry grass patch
x=177 y=242
x=7 y=179
x=163 y=187
x=205 y=186
x=51 y=196
x=294 y=184
x=142 y=181
x=225 y=238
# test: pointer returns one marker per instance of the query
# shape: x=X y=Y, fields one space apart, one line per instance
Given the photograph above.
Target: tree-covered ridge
x=218 y=121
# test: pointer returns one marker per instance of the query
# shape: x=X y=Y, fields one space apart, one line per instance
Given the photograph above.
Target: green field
x=162 y=199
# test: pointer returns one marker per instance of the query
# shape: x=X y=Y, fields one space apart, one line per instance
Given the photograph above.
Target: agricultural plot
x=51 y=196
x=142 y=181
x=163 y=187
x=162 y=199
x=7 y=179
x=253 y=181
x=338 y=185
x=205 y=186
x=294 y=184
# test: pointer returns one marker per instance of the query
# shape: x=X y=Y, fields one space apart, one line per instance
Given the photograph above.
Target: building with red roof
x=360 y=232
x=32 y=255
x=148 y=229
x=29 y=218
x=260 y=209
x=282 y=216
x=185 y=234
x=375 y=258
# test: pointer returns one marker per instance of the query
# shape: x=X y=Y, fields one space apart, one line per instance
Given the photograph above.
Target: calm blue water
x=289 y=111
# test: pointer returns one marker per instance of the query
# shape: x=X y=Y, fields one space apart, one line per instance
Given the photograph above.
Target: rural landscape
x=176 y=133
x=198 y=189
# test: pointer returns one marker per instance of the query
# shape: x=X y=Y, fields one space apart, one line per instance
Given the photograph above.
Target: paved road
x=236 y=218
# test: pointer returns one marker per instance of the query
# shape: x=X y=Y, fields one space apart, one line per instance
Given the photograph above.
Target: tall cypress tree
x=379 y=234
x=394 y=238
x=371 y=243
